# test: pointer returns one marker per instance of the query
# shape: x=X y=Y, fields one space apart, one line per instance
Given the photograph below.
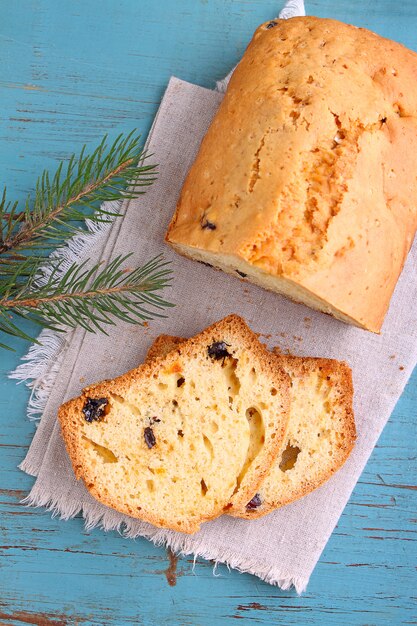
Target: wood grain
x=70 y=72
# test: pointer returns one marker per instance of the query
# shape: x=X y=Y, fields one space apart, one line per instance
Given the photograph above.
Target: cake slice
x=320 y=437
x=321 y=431
x=170 y=442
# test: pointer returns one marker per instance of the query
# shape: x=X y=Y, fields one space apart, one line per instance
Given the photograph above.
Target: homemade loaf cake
x=306 y=181
x=170 y=442
x=321 y=431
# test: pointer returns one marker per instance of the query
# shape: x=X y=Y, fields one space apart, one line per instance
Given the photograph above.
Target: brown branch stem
x=34 y=303
x=13 y=257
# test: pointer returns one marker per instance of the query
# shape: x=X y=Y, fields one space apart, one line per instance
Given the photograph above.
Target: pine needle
x=75 y=192
x=32 y=283
x=91 y=298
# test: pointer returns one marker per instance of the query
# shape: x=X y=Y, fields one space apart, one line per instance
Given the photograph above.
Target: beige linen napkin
x=283 y=547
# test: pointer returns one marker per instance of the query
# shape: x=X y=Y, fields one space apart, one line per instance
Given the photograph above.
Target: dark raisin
x=149 y=437
x=154 y=420
x=94 y=409
x=271 y=25
x=241 y=274
x=205 y=224
x=254 y=503
x=180 y=433
x=180 y=382
x=384 y=120
x=218 y=350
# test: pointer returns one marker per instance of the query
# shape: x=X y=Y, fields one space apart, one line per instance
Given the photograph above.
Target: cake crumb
x=401 y=368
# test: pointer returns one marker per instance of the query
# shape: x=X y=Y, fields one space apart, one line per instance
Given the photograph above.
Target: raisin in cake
x=306 y=180
x=170 y=441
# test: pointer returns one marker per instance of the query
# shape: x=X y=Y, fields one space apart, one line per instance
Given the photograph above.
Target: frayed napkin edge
x=178 y=543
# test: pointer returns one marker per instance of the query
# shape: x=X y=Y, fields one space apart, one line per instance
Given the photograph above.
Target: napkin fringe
x=272 y=575
x=28 y=466
x=292 y=8
x=44 y=359
x=40 y=369
x=57 y=505
x=181 y=544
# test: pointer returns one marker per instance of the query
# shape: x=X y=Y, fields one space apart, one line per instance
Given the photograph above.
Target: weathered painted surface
x=71 y=71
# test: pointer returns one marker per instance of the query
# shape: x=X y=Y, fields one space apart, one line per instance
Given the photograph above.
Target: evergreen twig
x=75 y=192
x=33 y=284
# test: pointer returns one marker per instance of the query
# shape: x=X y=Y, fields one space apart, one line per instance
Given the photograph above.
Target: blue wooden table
x=71 y=71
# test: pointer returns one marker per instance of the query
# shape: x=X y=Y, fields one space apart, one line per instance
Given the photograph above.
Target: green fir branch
x=74 y=193
x=90 y=298
x=33 y=285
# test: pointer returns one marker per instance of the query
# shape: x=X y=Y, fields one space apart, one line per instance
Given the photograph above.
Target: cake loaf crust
x=307 y=177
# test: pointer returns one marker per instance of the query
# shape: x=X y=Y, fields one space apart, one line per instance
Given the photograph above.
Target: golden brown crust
x=308 y=170
x=163 y=345
x=70 y=415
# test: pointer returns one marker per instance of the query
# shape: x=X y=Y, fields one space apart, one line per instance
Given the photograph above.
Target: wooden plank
x=72 y=71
